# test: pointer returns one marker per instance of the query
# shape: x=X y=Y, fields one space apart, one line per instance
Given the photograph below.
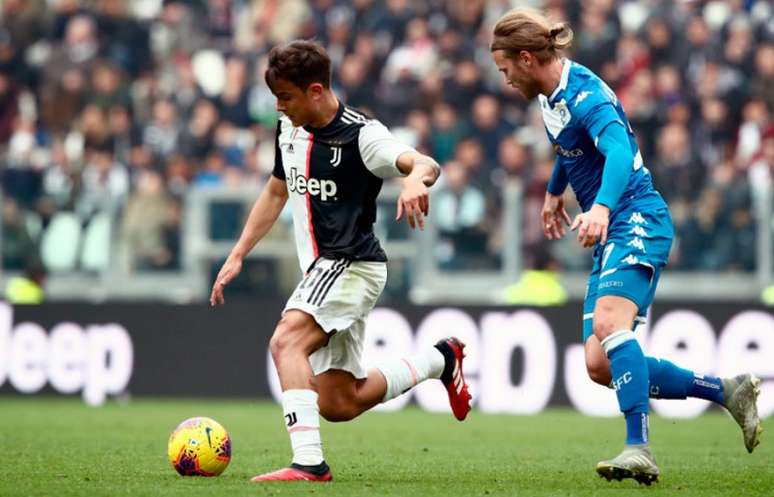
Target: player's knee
x=284 y=341
x=338 y=410
x=599 y=373
x=604 y=322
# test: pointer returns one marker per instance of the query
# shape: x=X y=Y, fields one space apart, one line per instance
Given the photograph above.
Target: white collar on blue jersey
x=566 y=64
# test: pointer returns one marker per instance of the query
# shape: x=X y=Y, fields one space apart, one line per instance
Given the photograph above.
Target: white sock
x=302 y=419
x=405 y=373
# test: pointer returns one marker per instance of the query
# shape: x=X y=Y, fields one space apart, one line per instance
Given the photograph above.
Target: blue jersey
x=575 y=115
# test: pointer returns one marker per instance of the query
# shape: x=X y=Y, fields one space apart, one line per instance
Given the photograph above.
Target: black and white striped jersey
x=334 y=175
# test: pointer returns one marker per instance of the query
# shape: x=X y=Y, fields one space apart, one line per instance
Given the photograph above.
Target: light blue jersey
x=575 y=115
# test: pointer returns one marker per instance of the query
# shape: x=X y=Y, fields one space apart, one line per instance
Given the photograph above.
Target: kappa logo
x=336 y=159
x=631 y=259
x=637 y=218
x=639 y=231
x=636 y=242
x=581 y=97
x=298 y=183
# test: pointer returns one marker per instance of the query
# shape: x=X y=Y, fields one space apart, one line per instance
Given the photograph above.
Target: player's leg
x=629 y=377
x=613 y=317
x=295 y=338
x=668 y=381
x=343 y=397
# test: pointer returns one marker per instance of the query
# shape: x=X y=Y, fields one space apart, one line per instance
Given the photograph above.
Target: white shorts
x=339 y=294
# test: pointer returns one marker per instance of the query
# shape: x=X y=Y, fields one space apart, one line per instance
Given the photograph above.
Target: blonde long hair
x=527 y=29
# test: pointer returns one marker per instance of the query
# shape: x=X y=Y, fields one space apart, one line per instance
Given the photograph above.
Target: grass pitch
x=59 y=447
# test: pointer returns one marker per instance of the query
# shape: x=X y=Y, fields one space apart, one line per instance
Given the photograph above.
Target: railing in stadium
x=423 y=266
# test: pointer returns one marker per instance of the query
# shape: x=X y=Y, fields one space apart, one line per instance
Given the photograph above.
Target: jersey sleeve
x=559 y=180
x=613 y=143
x=279 y=169
x=596 y=109
x=380 y=150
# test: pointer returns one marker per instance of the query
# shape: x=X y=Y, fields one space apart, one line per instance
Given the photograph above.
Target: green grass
x=59 y=447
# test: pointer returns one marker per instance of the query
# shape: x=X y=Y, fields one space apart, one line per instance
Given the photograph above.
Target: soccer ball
x=199 y=447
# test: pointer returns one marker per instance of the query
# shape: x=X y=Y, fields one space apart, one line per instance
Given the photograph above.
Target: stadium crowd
x=122 y=107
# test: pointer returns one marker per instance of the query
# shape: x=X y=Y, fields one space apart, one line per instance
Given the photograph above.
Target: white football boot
x=636 y=461
x=740 y=394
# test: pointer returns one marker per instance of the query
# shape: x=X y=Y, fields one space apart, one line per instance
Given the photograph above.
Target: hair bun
x=556 y=30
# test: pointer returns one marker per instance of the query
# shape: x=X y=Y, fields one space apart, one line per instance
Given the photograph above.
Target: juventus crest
x=336 y=159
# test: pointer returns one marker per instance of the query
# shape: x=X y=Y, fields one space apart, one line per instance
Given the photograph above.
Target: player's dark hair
x=528 y=29
x=301 y=62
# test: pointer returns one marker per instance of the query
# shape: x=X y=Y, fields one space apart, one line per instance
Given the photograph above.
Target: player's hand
x=228 y=272
x=554 y=217
x=414 y=202
x=593 y=225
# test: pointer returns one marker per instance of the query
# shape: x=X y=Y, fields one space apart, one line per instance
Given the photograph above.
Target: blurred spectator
x=105 y=183
x=27 y=288
x=94 y=99
x=9 y=107
x=197 y=138
x=18 y=247
x=232 y=102
x=459 y=210
x=447 y=131
x=107 y=85
x=144 y=223
x=161 y=133
x=487 y=126
x=538 y=286
x=76 y=55
x=761 y=86
x=678 y=170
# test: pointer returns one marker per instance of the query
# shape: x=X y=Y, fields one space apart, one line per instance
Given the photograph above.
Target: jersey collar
x=566 y=65
x=330 y=125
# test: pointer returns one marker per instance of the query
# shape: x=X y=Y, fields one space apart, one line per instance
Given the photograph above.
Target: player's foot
x=452 y=377
x=636 y=461
x=740 y=394
x=297 y=472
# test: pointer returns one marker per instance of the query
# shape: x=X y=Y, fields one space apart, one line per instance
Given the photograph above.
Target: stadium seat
x=95 y=254
x=61 y=241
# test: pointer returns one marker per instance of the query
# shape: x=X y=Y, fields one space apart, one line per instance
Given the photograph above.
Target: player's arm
x=421 y=173
x=262 y=217
x=387 y=157
x=613 y=143
x=554 y=214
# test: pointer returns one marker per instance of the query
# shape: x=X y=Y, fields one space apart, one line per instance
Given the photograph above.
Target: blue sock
x=630 y=380
x=706 y=387
x=637 y=424
x=668 y=381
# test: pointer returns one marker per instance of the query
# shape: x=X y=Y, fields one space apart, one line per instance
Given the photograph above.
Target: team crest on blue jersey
x=556 y=118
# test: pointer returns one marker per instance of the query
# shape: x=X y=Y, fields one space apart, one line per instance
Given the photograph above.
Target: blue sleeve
x=558 y=182
x=613 y=142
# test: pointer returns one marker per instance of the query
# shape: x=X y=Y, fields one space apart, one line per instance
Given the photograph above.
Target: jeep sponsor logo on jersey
x=298 y=183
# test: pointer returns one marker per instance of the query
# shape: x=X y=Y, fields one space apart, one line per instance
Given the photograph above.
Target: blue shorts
x=629 y=264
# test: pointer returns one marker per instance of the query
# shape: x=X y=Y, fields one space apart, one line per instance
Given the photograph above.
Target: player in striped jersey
x=330 y=161
x=626 y=222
